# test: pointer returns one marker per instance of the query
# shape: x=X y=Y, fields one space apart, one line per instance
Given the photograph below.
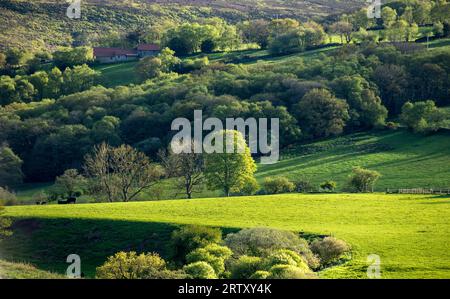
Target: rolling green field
x=409 y=233
x=404 y=159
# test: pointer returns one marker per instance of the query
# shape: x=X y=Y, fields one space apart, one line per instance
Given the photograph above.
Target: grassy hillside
x=24 y=271
x=41 y=23
x=404 y=159
x=409 y=233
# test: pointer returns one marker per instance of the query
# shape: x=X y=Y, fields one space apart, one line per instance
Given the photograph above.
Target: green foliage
x=200 y=270
x=10 y=167
x=69 y=57
x=328 y=185
x=245 y=266
x=129 y=265
x=329 y=249
x=285 y=257
x=278 y=185
x=260 y=275
x=289 y=272
x=229 y=170
x=320 y=114
x=214 y=254
x=189 y=238
x=263 y=241
x=363 y=180
x=5 y=223
x=303 y=186
x=423 y=117
x=70 y=184
x=7 y=197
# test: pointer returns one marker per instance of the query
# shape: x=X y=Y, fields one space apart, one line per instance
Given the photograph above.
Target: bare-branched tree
x=120 y=172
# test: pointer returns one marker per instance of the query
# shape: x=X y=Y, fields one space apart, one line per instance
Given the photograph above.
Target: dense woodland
x=53 y=111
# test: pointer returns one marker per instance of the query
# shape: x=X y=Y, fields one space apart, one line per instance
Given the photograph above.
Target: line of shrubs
x=361 y=180
x=256 y=253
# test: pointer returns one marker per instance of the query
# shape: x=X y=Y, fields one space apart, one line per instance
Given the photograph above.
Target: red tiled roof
x=148 y=47
x=110 y=52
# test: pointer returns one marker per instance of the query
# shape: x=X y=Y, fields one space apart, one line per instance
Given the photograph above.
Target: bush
x=289 y=272
x=129 y=265
x=245 y=267
x=329 y=249
x=189 y=238
x=363 y=180
x=285 y=257
x=278 y=185
x=215 y=255
x=200 y=270
x=328 y=185
x=5 y=223
x=423 y=117
x=7 y=198
x=260 y=275
x=263 y=241
x=250 y=188
x=303 y=186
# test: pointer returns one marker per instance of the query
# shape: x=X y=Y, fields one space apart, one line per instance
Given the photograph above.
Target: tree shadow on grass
x=46 y=243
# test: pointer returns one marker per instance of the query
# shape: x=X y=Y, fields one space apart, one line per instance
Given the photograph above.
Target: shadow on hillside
x=46 y=243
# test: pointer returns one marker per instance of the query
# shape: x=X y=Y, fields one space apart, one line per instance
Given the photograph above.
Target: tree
x=422 y=117
x=70 y=184
x=328 y=185
x=10 y=167
x=14 y=57
x=363 y=180
x=389 y=16
x=2 y=61
x=120 y=172
x=320 y=114
x=366 y=109
x=256 y=31
x=187 y=168
x=149 y=67
x=129 y=265
x=68 y=57
x=5 y=223
x=229 y=170
x=343 y=29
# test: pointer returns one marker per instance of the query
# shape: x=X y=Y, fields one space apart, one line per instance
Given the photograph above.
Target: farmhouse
x=112 y=55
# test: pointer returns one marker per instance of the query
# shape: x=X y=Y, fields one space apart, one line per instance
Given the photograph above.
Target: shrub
x=328 y=185
x=7 y=198
x=245 y=267
x=260 y=275
x=214 y=254
x=129 y=265
x=5 y=223
x=423 y=117
x=303 y=186
x=278 y=185
x=363 y=180
x=251 y=186
x=200 y=270
x=285 y=257
x=263 y=241
x=189 y=238
x=329 y=249
x=289 y=272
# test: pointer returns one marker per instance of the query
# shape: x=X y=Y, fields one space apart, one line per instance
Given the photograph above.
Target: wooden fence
x=445 y=191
